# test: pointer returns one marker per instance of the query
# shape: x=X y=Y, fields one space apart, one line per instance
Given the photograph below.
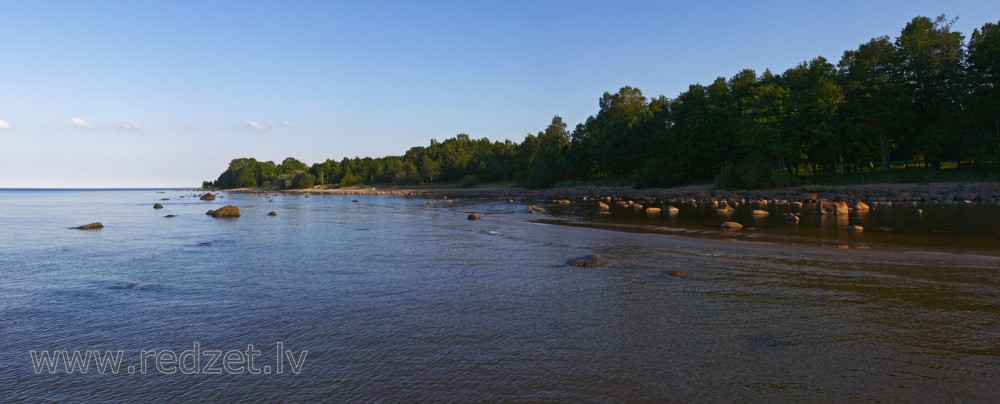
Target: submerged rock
x=587 y=261
x=208 y=197
x=169 y=216
x=157 y=206
x=472 y=217
x=89 y=226
x=855 y=228
x=677 y=273
x=790 y=218
x=226 y=211
x=731 y=226
x=272 y=213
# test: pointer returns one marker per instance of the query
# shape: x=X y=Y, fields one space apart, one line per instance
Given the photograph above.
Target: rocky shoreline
x=941 y=193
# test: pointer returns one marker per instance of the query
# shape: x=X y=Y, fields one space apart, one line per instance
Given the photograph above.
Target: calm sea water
x=395 y=299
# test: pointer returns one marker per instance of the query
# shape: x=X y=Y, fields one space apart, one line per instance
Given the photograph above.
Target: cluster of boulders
x=725 y=204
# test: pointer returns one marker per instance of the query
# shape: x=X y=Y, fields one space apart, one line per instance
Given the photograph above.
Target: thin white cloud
x=129 y=126
x=80 y=123
x=291 y=125
x=4 y=125
x=257 y=126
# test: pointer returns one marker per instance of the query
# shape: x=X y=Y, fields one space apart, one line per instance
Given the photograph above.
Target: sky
x=97 y=94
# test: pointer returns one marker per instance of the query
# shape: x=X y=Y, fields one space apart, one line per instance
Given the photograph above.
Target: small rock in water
x=208 y=197
x=157 y=206
x=790 y=218
x=130 y=285
x=227 y=211
x=587 y=261
x=168 y=216
x=272 y=213
x=210 y=212
x=760 y=213
x=89 y=226
x=731 y=226
x=354 y=200
x=855 y=228
x=676 y=273
x=472 y=217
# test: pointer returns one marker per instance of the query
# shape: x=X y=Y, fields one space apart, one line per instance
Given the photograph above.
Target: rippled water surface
x=398 y=299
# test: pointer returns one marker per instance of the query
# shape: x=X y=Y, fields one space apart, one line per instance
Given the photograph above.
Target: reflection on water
x=396 y=299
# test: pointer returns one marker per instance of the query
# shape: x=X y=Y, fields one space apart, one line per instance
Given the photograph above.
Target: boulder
x=603 y=207
x=731 y=226
x=653 y=211
x=90 y=226
x=860 y=206
x=672 y=211
x=760 y=213
x=272 y=213
x=826 y=207
x=227 y=211
x=157 y=206
x=587 y=261
x=208 y=197
x=472 y=217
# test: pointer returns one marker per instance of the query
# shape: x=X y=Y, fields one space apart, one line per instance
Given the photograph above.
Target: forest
x=929 y=98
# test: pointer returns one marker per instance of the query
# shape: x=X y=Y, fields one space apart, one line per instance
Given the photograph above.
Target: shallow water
x=395 y=299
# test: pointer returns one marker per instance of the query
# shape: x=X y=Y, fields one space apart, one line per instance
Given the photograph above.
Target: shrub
x=753 y=175
x=469 y=181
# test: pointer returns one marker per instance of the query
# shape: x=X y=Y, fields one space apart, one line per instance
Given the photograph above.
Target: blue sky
x=165 y=93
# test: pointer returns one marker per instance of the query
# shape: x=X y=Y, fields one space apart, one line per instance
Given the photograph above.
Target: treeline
x=928 y=98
